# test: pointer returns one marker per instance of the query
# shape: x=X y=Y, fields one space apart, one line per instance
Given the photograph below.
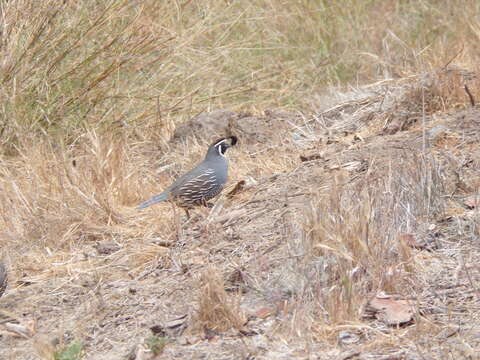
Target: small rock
x=206 y=125
x=250 y=129
x=106 y=247
x=172 y=328
x=347 y=338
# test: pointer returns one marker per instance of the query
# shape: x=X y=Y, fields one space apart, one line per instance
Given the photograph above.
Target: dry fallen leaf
x=390 y=310
x=26 y=330
x=411 y=241
x=238 y=188
x=264 y=312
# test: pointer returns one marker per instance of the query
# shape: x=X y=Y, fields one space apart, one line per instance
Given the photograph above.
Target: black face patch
x=223 y=144
x=222 y=148
x=233 y=140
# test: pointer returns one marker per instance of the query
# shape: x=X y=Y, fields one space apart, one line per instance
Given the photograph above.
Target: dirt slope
x=283 y=268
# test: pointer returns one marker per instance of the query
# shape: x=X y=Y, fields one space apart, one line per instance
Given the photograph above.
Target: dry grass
x=91 y=94
x=217 y=311
x=351 y=244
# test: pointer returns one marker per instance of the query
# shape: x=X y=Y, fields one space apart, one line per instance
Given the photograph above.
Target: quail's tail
x=156 y=199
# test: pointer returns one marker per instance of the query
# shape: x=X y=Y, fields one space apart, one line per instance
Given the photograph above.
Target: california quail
x=202 y=183
x=3 y=278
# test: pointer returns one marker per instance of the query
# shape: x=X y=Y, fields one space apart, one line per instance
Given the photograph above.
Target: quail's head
x=219 y=147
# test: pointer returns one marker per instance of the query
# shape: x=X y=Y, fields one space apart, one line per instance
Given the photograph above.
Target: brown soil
x=253 y=278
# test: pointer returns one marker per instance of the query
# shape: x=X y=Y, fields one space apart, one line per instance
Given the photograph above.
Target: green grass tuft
x=156 y=344
x=72 y=351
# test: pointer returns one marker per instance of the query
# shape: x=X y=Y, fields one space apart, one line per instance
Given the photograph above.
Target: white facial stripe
x=220 y=142
x=219 y=148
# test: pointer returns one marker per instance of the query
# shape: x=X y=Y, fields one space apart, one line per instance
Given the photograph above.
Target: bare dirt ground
x=334 y=209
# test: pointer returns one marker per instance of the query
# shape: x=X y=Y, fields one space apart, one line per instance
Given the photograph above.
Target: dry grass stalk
x=218 y=311
x=350 y=246
x=3 y=278
x=91 y=93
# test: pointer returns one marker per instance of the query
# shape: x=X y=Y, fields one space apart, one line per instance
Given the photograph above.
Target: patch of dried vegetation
x=217 y=310
x=367 y=194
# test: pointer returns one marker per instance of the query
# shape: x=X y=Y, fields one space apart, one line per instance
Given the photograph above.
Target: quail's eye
x=221 y=149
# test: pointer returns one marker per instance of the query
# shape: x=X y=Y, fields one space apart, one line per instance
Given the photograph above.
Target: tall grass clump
x=140 y=65
x=352 y=248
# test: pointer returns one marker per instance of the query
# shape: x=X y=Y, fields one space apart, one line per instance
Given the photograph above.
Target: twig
x=454 y=57
x=467 y=90
x=470 y=280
